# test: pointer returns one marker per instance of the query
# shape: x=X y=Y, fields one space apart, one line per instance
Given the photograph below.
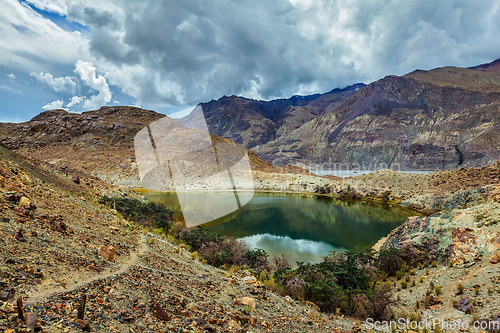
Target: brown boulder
x=107 y=252
x=434 y=300
x=24 y=202
x=13 y=197
x=159 y=312
x=465 y=305
x=83 y=324
x=248 y=301
x=6 y=293
x=19 y=236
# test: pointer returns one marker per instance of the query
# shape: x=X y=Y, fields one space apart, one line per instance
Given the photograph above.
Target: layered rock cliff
x=438 y=119
x=252 y=122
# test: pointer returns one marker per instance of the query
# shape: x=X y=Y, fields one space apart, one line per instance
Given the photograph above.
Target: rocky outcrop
x=464 y=304
x=237 y=119
x=457 y=236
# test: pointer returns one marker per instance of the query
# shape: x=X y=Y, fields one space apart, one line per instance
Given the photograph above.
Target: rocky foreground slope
x=59 y=246
x=61 y=249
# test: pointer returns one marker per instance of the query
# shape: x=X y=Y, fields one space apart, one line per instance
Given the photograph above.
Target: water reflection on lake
x=293 y=249
x=303 y=227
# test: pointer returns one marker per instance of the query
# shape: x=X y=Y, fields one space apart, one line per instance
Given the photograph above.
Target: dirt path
x=122 y=268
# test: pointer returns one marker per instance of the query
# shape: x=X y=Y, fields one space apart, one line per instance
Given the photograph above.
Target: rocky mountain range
x=437 y=119
x=252 y=122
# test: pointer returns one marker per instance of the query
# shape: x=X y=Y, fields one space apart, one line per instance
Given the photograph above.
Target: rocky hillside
x=251 y=122
x=70 y=264
x=98 y=143
x=438 y=119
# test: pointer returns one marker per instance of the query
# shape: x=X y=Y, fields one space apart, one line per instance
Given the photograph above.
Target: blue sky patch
x=61 y=21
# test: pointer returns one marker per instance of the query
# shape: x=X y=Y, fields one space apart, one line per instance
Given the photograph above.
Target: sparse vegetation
x=146 y=213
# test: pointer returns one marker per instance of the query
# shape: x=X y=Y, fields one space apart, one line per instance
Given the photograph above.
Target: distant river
x=303 y=227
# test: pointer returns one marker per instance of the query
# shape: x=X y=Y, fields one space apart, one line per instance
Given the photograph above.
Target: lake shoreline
x=376 y=201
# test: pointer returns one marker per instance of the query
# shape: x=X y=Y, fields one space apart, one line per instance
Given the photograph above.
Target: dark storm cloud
x=210 y=49
x=184 y=52
x=171 y=54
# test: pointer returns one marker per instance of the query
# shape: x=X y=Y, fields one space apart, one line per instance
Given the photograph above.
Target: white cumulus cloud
x=59 y=84
x=87 y=73
x=75 y=100
x=179 y=53
x=53 y=105
x=29 y=42
x=165 y=53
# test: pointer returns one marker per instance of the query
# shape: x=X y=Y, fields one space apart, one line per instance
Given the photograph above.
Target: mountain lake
x=304 y=227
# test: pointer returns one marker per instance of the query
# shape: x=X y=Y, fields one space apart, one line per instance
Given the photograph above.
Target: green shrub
x=256 y=258
x=389 y=260
x=332 y=283
x=274 y=286
x=147 y=213
x=199 y=236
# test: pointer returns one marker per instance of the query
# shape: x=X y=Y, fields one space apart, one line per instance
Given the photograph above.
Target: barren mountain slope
x=443 y=118
x=252 y=122
x=493 y=66
x=98 y=143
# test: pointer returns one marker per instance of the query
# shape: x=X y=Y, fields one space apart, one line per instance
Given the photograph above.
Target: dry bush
x=382 y=302
x=295 y=288
x=280 y=263
x=362 y=307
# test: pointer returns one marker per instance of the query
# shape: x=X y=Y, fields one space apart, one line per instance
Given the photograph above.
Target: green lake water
x=303 y=227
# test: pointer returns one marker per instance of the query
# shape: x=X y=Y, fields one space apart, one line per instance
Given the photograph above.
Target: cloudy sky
x=172 y=54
